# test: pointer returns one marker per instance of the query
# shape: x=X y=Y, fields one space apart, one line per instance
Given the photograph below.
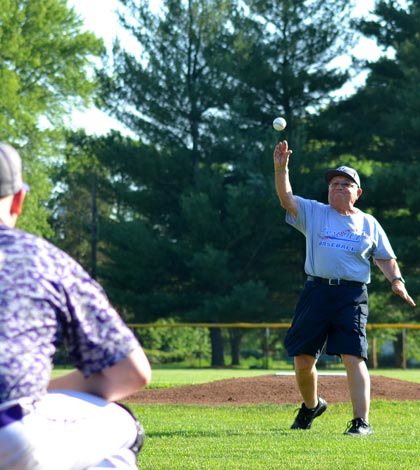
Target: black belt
x=10 y=415
x=335 y=282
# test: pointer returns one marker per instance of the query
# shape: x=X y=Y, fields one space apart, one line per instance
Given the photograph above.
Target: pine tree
x=200 y=97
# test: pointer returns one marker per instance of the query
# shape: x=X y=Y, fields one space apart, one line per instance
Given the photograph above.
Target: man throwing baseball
x=72 y=422
x=332 y=310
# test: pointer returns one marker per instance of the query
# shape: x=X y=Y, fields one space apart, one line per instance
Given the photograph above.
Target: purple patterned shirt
x=47 y=299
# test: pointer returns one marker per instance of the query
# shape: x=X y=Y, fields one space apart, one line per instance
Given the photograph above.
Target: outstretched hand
x=281 y=155
x=399 y=289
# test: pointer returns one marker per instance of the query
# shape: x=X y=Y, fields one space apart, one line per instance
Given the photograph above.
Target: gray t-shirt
x=339 y=246
x=47 y=299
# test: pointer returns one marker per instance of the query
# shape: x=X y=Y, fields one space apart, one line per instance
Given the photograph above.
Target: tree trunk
x=217 y=352
x=235 y=336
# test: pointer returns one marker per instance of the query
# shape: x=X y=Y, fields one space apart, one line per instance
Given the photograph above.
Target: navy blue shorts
x=334 y=316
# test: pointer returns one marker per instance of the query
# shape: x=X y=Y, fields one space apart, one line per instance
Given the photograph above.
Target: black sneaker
x=307 y=415
x=358 y=427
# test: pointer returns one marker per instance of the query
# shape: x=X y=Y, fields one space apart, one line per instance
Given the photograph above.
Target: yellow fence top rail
x=371 y=326
x=209 y=325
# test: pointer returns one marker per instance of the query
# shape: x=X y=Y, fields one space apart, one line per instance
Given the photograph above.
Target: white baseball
x=279 y=123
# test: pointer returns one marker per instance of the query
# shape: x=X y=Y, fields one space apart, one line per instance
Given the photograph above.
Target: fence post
x=266 y=344
x=404 y=348
x=200 y=347
x=374 y=352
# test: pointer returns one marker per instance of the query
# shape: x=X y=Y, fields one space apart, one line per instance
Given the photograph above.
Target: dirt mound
x=275 y=389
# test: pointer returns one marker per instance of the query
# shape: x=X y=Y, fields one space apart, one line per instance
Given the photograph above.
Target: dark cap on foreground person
x=11 y=181
x=345 y=171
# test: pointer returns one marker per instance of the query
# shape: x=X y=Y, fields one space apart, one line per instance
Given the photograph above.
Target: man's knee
x=351 y=360
x=140 y=437
x=304 y=362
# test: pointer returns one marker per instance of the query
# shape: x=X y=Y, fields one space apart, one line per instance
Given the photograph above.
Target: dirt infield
x=274 y=389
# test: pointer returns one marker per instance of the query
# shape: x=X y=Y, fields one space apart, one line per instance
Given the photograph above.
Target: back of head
x=10 y=171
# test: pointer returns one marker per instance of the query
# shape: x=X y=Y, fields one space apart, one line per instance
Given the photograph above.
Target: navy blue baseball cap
x=11 y=181
x=343 y=171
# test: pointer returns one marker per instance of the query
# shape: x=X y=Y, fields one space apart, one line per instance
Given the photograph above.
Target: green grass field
x=164 y=377
x=259 y=438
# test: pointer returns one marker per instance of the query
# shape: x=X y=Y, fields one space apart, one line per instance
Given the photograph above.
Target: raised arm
x=392 y=272
x=283 y=187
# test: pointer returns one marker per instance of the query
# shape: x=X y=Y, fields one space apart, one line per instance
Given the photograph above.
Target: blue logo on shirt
x=347 y=240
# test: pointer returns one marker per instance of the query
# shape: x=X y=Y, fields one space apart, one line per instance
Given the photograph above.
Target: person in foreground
x=47 y=300
x=332 y=310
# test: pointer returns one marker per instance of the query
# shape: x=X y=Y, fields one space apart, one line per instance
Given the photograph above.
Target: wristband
x=398 y=279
